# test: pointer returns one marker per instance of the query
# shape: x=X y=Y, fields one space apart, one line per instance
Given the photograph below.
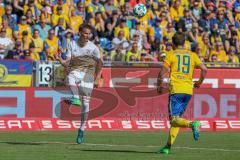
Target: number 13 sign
x=44 y=74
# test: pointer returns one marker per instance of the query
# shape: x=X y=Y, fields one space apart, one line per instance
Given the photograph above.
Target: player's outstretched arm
x=164 y=70
x=98 y=73
x=203 y=74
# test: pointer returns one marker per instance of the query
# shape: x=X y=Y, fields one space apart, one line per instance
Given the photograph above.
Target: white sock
x=85 y=110
x=75 y=91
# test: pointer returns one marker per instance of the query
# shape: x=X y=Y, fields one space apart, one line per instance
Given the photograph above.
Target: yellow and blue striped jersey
x=182 y=63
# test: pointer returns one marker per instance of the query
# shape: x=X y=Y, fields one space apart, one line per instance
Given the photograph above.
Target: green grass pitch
x=117 y=145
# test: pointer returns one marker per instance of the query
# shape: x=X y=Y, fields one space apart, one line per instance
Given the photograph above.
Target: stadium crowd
x=38 y=29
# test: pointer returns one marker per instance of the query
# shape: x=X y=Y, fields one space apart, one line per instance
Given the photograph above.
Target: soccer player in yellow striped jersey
x=181 y=64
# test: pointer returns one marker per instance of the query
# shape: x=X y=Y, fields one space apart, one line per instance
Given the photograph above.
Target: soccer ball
x=140 y=10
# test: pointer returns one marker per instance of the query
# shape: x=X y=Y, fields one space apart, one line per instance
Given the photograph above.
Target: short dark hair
x=87 y=26
x=49 y=31
x=178 y=39
x=36 y=30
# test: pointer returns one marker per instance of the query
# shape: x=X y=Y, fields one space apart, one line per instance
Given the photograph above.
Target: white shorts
x=82 y=80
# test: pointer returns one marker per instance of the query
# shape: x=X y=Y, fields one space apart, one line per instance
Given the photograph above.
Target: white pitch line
x=190 y=148
x=126 y=145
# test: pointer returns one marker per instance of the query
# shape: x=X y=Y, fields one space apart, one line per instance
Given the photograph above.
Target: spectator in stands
x=51 y=45
x=9 y=31
x=236 y=9
x=81 y=10
x=210 y=6
x=120 y=39
x=46 y=14
x=118 y=54
x=165 y=19
x=59 y=28
x=17 y=52
x=64 y=8
x=155 y=46
x=58 y=15
x=109 y=34
x=43 y=29
x=205 y=47
x=33 y=55
x=169 y=31
x=75 y=21
x=196 y=10
x=95 y=7
x=234 y=40
x=2 y=5
x=19 y=6
x=161 y=7
x=122 y=27
x=47 y=3
x=158 y=29
x=66 y=38
x=136 y=38
x=222 y=24
x=110 y=7
x=194 y=34
x=145 y=54
x=133 y=54
x=176 y=10
x=37 y=43
x=219 y=52
x=232 y=56
x=215 y=61
x=139 y=31
x=127 y=13
x=206 y=21
x=97 y=43
x=187 y=19
x=31 y=6
x=26 y=40
x=112 y=22
x=6 y=44
x=10 y=17
x=98 y=24
x=30 y=18
x=22 y=26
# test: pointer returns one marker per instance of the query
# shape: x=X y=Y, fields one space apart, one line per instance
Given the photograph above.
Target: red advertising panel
x=15 y=124
x=114 y=109
x=216 y=78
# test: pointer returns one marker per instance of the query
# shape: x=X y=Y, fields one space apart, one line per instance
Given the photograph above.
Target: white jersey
x=90 y=49
x=83 y=58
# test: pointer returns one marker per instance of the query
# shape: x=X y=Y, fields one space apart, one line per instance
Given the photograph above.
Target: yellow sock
x=181 y=122
x=172 y=135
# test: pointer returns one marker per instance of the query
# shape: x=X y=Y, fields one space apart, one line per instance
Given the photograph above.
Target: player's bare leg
x=84 y=115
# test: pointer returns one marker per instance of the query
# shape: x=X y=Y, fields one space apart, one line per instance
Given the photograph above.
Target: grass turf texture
x=45 y=145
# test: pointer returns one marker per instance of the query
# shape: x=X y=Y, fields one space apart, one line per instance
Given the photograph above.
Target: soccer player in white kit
x=84 y=65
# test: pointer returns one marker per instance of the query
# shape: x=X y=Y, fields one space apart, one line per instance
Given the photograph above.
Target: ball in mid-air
x=140 y=10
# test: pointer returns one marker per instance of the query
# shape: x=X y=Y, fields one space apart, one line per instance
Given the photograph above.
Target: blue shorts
x=177 y=104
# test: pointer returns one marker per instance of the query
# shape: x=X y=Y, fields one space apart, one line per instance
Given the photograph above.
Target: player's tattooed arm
x=164 y=70
x=203 y=69
x=98 y=72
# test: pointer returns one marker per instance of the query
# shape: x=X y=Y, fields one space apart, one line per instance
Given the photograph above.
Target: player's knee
x=173 y=120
